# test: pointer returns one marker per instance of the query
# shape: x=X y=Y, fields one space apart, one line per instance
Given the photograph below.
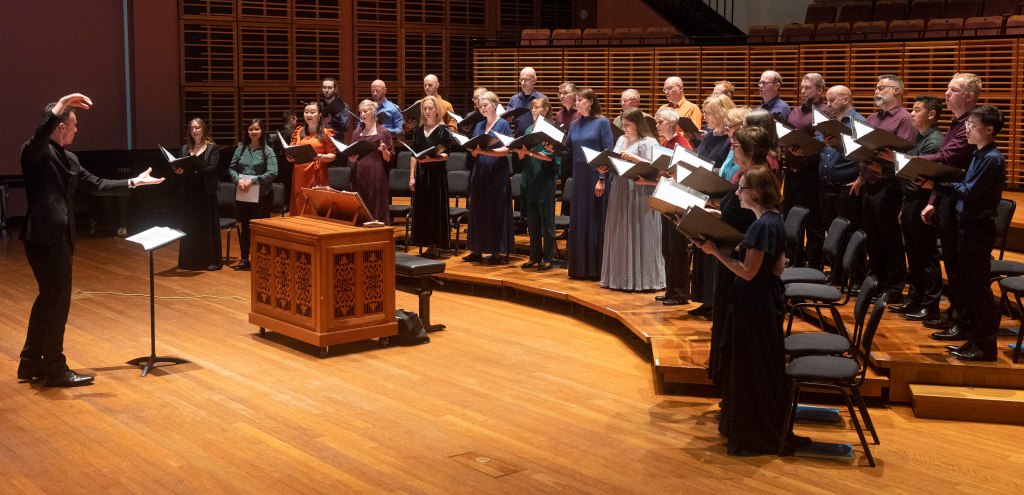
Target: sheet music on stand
x=156 y=237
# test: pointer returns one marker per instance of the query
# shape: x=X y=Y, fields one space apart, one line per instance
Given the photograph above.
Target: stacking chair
x=831 y=249
x=841 y=342
x=839 y=373
x=398 y=185
x=456 y=161
x=403 y=160
x=796 y=219
x=1015 y=286
x=1004 y=268
x=226 y=204
x=820 y=296
x=340 y=178
x=458 y=187
x=280 y=204
x=562 y=221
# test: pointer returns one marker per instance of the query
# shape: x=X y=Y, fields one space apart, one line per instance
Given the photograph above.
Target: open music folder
x=598 y=159
x=544 y=131
x=302 y=153
x=829 y=126
x=427 y=153
x=672 y=198
x=189 y=163
x=875 y=138
x=483 y=141
x=789 y=136
x=358 y=149
x=911 y=168
x=699 y=225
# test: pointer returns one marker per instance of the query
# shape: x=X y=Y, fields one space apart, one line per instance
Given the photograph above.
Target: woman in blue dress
x=589 y=201
x=753 y=358
x=490 y=191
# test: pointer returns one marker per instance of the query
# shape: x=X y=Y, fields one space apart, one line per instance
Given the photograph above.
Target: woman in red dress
x=313 y=173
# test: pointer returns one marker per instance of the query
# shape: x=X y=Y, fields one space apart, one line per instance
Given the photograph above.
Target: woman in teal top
x=253 y=165
x=540 y=169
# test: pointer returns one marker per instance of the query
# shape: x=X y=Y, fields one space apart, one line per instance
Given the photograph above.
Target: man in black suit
x=51 y=175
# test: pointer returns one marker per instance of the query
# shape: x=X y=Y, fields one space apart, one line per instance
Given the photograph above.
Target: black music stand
x=151 y=240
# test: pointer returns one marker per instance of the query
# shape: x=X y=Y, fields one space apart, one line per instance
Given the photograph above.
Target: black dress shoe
x=473 y=257
x=675 y=302
x=30 y=373
x=940 y=323
x=68 y=378
x=703 y=311
x=959 y=348
x=922 y=314
x=543 y=267
x=660 y=298
x=213 y=268
x=952 y=333
x=244 y=266
x=907 y=307
x=497 y=260
x=974 y=354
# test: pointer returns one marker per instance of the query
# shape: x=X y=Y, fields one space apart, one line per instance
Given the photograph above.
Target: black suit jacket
x=51 y=176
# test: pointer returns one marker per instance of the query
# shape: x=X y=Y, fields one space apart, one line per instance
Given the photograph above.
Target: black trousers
x=801 y=188
x=44 y=342
x=245 y=211
x=921 y=241
x=837 y=202
x=675 y=248
x=948 y=224
x=977 y=238
x=884 y=243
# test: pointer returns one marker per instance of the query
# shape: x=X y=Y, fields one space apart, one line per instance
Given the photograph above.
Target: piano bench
x=421 y=269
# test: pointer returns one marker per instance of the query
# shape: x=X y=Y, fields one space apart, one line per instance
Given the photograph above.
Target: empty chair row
x=891 y=10
x=879 y=30
x=602 y=36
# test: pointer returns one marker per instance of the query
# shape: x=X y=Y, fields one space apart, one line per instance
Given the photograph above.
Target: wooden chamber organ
x=323 y=280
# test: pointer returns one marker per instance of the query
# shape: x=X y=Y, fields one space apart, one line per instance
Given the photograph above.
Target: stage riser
x=987 y=405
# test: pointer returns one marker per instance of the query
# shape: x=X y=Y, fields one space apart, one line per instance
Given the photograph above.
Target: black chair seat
x=822 y=367
x=561 y=222
x=1012 y=284
x=455 y=211
x=408 y=265
x=802 y=344
x=1006 y=268
x=399 y=209
x=227 y=223
x=816 y=292
x=794 y=275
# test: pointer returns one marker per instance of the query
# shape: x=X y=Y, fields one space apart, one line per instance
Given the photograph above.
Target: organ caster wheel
x=323 y=351
x=263 y=331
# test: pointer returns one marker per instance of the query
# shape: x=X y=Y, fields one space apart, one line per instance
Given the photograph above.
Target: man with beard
x=881 y=195
x=336 y=109
x=801 y=182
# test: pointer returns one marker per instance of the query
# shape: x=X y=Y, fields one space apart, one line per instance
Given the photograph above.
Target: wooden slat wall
x=925 y=66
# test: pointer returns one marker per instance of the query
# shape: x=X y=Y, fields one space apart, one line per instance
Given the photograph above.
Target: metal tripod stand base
x=149 y=362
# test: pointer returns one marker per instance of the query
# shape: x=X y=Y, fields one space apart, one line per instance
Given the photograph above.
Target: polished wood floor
x=553 y=404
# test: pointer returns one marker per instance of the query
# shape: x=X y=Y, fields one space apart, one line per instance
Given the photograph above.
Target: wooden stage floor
x=510 y=398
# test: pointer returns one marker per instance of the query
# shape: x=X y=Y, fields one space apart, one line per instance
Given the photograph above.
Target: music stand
x=151 y=240
x=343 y=206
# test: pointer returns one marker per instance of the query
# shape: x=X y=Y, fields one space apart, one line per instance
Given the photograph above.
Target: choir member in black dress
x=753 y=357
x=200 y=248
x=429 y=182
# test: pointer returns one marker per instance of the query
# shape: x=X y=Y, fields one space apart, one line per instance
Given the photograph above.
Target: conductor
x=51 y=175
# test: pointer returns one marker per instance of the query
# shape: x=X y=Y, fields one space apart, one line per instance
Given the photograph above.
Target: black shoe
x=959 y=348
x=545 y=267
x=244 y=266
x=497 y=260
x=660 y=298
x=922 y=314
x=68 y=378
x=674 y=302
x=212 y=268
x=703 y=311
x=940 y=323
x=907 y=307
x=473 y=258
x=952 y=333
x=974 y=354
x=529 y=264
x=30 y=373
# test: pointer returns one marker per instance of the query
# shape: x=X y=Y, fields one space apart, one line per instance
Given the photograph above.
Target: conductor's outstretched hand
x=77 y=100
x=144 y=179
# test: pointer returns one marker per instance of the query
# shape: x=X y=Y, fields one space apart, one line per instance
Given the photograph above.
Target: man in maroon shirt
x=881 y=195
x=802 y=183
x=961 y=98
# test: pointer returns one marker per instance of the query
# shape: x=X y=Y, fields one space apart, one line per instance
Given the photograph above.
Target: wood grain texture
x=570 y=404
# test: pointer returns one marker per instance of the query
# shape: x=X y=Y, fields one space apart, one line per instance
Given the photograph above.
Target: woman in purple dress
x=589 y=202
x=370 y=176
x=490 y=191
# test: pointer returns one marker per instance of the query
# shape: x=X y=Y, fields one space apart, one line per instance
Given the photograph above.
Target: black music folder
x=672 y=198
x=483 y=141
x=912 y=167
x=544 y=131
x=634 y=171
x=303 y=153
x=789 y=136
x=189 y=163
x=854 y=150
x=514 y=113
x=427 y=153
x=599 y=158
x=684 y=123
x=412 y=112
x=703 y=180
x=359 y=149
x=468 y=123
x=829 y=126
x=699 y=225
x=877 y=138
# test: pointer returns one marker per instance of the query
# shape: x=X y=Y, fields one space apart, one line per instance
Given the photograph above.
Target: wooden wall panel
x=782 y=59
x=218 y=107
x=208 y=53
x=867 y=62
x=831 y=61
x=728 y=63
x=630 y=68
x=682 y=62
x=265 y=53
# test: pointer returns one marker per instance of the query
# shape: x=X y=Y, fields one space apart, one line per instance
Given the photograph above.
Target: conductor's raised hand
x=77 y=100
x=144 y=179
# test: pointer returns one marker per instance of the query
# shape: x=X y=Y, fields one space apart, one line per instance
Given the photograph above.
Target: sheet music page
x=250 y=196
x=155 y=237
x=548 y=128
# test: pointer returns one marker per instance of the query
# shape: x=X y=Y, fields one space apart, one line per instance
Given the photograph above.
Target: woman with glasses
x=674 y=245
x=751 y=355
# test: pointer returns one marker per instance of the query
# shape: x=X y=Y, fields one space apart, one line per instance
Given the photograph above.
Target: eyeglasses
x=565 y=93
x=735 y=146
x=879 y=89
x=762 y=84
x=742 y=188
x=670 y=88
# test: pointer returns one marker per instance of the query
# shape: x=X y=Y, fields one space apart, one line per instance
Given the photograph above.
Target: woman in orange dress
x=313 y=173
